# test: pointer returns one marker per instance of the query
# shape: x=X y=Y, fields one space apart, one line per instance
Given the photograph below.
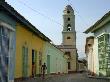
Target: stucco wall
x=58 y=63
x=26 y=37
x=73 y=59
x=95 y=57
x=72 y=40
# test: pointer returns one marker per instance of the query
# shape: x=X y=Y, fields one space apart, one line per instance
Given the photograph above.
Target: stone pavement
x=67 y=78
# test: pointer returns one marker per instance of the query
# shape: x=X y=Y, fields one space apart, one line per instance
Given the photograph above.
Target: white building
x=100 y=54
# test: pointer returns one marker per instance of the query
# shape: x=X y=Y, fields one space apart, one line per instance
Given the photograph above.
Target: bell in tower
x=68 y=45
x=69 y=26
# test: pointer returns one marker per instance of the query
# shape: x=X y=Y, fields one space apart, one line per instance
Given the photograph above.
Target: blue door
x=4 y=53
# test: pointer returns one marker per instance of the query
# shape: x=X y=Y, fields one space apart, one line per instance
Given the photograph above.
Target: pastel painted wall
x=24 y=37
x=9 y=23
x=57 y=63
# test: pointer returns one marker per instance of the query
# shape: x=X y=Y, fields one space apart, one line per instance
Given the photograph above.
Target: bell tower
x=69 y=33
x=68 y=45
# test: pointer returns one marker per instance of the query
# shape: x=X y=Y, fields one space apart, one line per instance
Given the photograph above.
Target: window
x=69 y=66
x=40 y=58
x=68 y=19
x=68 y=27
x=68 y=11
x=67 y=53
x=68 y=37
x=89 y=45
x=33 y=57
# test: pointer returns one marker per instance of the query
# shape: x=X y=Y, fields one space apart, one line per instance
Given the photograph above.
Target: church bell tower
x=68 y=45
x=69 y=33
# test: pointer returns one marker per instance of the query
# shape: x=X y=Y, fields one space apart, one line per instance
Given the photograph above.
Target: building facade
x=29 y=49
x=89 y=54
x=23 y=48
x=68 y=45
x=101 y=46
x=7 y=45
x=21 y=45
x=54 y=58
x=82 y=65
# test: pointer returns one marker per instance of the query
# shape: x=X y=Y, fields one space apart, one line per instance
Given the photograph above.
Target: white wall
x=95 y=57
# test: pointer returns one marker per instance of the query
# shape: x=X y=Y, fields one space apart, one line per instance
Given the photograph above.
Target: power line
x=81 y=18
x=39 y=13
x=70 y=2
x=77 y=13
x=42 y=14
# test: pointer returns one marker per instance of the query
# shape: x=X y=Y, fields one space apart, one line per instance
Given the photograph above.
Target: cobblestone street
x=68 y=78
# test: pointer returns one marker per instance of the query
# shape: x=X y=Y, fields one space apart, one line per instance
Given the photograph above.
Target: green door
x=48 y=64
x=25 y=62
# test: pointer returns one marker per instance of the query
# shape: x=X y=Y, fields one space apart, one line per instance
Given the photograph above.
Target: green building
x=54 y=59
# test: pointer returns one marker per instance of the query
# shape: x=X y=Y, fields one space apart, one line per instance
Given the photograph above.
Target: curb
x=97 y=77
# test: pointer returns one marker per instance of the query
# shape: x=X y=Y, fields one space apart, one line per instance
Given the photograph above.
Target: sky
x=46 y=15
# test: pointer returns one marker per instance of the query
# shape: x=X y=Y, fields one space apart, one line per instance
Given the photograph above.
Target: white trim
x=7 y=25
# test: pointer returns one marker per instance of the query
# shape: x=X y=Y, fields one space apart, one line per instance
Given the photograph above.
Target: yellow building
x=29 y=47
x=24 y=45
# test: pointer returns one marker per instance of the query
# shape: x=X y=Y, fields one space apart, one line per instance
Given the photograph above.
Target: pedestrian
x=43 y=69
